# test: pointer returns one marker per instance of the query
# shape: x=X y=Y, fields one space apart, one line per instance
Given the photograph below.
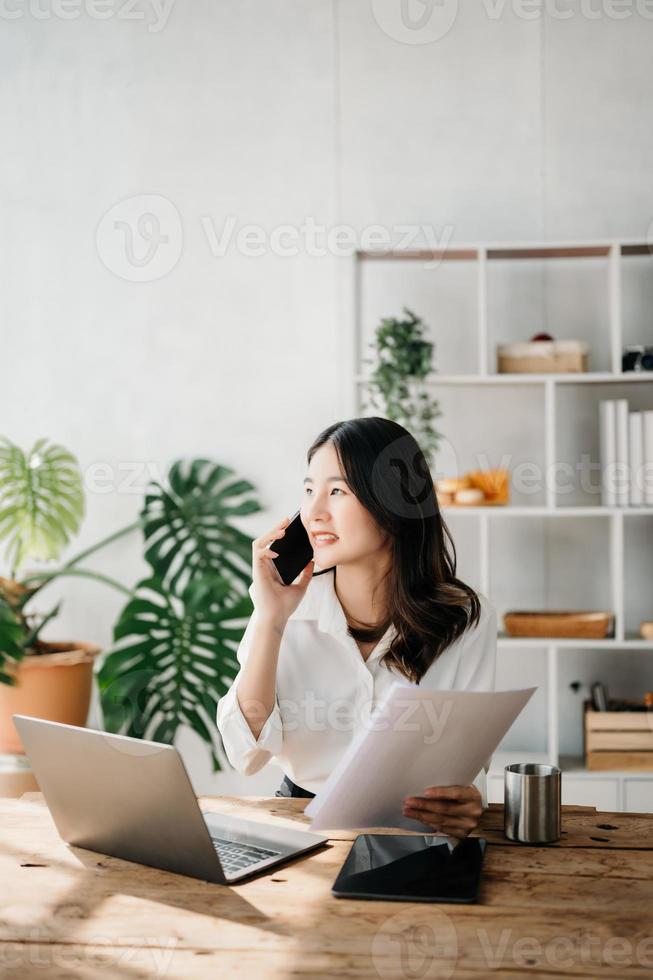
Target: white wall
x=272 y=112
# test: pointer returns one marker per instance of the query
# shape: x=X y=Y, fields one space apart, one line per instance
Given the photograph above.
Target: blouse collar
x=321 y=604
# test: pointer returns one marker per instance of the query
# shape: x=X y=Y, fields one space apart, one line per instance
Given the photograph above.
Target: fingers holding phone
x=275 y=557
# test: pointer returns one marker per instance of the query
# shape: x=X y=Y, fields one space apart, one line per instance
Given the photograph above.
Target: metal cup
x=531 y=803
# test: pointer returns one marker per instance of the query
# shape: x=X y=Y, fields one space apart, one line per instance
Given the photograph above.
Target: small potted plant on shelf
x=176 y=637
x=397 y=386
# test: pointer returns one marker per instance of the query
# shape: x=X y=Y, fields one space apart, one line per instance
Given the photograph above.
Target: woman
x=319 y=655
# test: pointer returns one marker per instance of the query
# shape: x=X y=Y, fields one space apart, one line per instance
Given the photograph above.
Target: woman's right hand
x=274 y=600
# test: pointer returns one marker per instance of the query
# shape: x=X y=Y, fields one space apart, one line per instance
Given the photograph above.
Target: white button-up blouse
x=326 y=691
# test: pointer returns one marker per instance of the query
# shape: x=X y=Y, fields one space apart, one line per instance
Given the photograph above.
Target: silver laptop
x=133 y=799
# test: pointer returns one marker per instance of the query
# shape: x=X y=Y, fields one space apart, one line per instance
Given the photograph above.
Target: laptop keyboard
x=235 y=856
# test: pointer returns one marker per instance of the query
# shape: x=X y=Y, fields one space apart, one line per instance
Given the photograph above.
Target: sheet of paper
x=414 y=739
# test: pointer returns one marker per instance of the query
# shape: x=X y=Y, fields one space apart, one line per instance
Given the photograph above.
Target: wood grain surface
x=581 y=907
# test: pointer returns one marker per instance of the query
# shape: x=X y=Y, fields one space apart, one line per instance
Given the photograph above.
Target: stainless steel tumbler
x=531 y=803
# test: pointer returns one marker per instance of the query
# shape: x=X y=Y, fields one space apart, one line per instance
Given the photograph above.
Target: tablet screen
x=418 y=868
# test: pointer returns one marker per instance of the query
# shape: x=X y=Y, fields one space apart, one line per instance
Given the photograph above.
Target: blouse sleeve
x=477 y=669
x=244 y=752
x=478 y=658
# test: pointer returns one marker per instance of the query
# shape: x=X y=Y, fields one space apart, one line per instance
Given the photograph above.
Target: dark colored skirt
x=288 y=788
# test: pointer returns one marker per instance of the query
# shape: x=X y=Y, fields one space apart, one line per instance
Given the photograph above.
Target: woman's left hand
x=450 y=810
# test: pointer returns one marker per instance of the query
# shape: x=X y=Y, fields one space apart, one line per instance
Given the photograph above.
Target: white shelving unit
x=553 y=546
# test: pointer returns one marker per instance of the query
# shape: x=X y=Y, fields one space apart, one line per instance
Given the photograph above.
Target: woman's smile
x=322 y=538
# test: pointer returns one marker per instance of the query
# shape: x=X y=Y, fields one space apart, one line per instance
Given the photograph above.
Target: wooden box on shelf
x=543 y=357
x=618 y=739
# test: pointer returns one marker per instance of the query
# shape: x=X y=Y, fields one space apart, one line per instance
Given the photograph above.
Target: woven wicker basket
x=559 y=623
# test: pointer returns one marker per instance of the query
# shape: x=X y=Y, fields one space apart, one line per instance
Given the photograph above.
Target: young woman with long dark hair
x=319 y=655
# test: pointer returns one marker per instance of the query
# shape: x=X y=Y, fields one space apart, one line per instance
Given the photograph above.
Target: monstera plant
x=175 y=640
x=173 y=653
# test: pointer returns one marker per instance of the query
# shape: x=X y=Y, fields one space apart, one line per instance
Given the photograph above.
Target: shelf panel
x=574 y=765
x=638 y=249
x=635 y=639
x=550 y=252
x=589 y=377
x=571 y=765
x=517 y=250
x=538 y=642
x=419 y=255
x=545 y=511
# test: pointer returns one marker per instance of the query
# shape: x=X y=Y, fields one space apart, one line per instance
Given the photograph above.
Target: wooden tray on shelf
x=559 y=623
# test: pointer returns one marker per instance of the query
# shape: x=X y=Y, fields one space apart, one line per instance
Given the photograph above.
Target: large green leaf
x=188 y=528
x=174 y=656
x=11 y=639
x=41 y=500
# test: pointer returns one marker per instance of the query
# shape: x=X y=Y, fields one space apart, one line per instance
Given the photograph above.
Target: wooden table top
x=581 y=907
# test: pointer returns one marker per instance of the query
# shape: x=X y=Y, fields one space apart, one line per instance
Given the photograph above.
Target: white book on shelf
x=647 y=468
x=608 y=449
x=622 y=481
x=636 y=454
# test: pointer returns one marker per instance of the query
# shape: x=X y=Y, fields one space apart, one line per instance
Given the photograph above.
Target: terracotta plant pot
x=55 y=685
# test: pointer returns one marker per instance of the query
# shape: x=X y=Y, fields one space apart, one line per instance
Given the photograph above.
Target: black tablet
x=411 y=868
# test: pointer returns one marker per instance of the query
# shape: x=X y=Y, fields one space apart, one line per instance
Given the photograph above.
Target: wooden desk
x=582 y=907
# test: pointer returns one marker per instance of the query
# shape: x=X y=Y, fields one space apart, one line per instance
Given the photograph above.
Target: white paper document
x=414 y=739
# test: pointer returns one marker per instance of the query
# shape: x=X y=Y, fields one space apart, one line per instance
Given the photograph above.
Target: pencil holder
x=531 y=804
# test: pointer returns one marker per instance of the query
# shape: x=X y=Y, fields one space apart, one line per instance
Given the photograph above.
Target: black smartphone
x=411 y=868
x=294 y=550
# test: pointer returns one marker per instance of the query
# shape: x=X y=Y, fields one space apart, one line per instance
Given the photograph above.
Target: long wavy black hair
x=429 y=606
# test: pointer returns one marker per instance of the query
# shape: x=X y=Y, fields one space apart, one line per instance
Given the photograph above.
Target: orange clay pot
x=55 y=685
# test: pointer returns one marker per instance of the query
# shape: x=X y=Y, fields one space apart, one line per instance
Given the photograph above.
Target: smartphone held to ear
x=294 y=550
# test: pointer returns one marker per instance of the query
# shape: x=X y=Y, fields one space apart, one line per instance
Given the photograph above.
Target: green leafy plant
x=42 y=500
x=11 y=634
x=41 y=508
x=187 y=524
x=175 y=641
x=397 y=388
